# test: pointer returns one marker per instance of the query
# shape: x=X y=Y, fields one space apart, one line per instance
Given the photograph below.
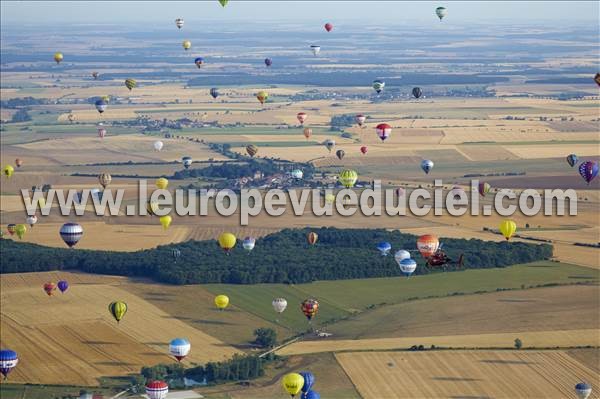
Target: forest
x=282 y=257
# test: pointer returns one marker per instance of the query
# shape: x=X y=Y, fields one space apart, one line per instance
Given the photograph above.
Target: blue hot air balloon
x=179 y=348
x=572 y=160
x=268 y=62
x=101 y=105
x=583 y=390
x=588 y=170
x=426 y=165
x=214 y=92
x=309 y=381
x=199 y=61
x=384 y=247
x=62 y=285
x=407 y=266
x=8 y=361
x=312 y=395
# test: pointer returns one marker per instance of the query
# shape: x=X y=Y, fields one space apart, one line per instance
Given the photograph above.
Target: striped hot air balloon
x=309 y=307
x=117 y=309
x=179 y=23
x=179 y=348
x=383 y=130
x=312 y=238
x=8 y=361
x=71 y=233
x=104 y=179
x=130 y=83
x=308 y=132
x=252 y=150
x=348 y=178
x=157 y=389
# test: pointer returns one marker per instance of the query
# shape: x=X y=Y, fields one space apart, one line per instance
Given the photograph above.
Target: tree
x=265 y=337
x=518 y=343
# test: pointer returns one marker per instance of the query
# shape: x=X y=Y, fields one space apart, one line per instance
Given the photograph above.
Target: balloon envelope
x=571 y=159
x=8 y=361
x=179 y=348
x=508 y=228
x=427 y=245
x=588 y=171
x=227 y=241
x=407 y=266
x=309 y=380
x=328 y=27
x=292 y=383
x=248 y=243
x=384 y=248
x=157 y=389
x=221 y=301
x=383 y=130
x=117 y=309
x=426 y=165
x=71 y=233
x=63 y=285
x=279 y=304
x=583 y=390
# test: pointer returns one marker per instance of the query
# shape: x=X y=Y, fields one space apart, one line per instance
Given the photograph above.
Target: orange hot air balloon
x=49 y=287
x=427 y=245
x=301 y=117
x=312 y=238
x=18 y=162
x=307 y=132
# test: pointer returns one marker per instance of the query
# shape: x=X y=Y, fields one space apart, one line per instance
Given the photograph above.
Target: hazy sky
x=44 y=12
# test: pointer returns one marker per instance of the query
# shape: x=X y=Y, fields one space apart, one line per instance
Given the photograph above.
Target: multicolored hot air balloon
x=18 y=162
x=279 y=304
x=407 y=266
x=62 y=285
x=268 y=62
x=572 y=160
x=508 y=228
x=427 y=245
x=329 y=144
x=315 y=49
x=417 y=92
x=165 y=221
x=262 y=96
x=348 y=178
x=31 y=220
x=199 y=61
x=426 y=165
x=309 y=307
x=364 y=149
x=157 y=389
x=49 y=288
x=292 y=383
x=312 y=238
x=179 y=23
x=301 y=116
x=187 y=162
x=71 y=233
x=221 y=301
x=360 y=119
x=58 y=57
x=383 y=130
x=440 y=12
x=20 y=231
x=582 y=390
x=101 y=105
x=8 y=361
x=378 y=85
x=588 y=171
x=251 y=150
x=186 y=45
x=328 y=27
x=130 y=83
x=384 y=248
x=484 y=188
x=161 y=183
x=309 y=381
x=117 y=309
x=249 y=243
x=214 y=92
x=340 y=154
x=227 y=242
x=179 y=348
x=8 y=171
x=308 y=132
x=104 y=179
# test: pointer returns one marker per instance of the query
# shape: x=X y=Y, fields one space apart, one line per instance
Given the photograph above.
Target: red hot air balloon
x=49 y=287
x=301 y=117
x=364 y=149
x=309 y=307
x=328 y=27
x=427 y=245
x=383 y=131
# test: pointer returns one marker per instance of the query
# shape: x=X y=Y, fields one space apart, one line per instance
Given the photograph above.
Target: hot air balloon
x=484 y=188
x=223 y=2
x=384 y=248
x=262 y=96
x=227 y=242
x=20 y=231
x=360 y=119
x=151 y=207
x=8 y=171
x=400 y=255
x=427 y=245
x=221 y=301
x=328 y=27
x=251 y=150
x=508 y=228
x=18 y=162
x=71 y=233
x=158 y=145
x=186 y=45
x=348 y=178
x=383 y=130
x=11 y=228
x=309 y=381
x=582 y=389
x=268 y=62
x=157 y=389
x=101 y=131
x=310 y=308
x=572 y=160
x=179 y=348
x=187 y=162
x=378 y=85
x=162 y=183
x=311 y=395
x=307 y=132
x=597 y=79
x=58 y=57
x=588 y=170
x=117 y=309
x=249 y=243
x=407 y=266
x=95 y=75
x=340 y=154
x=130 y=83
x=49 y=288
x=101 y=105
x=8 y=361
x=301 y=116
x=297 y=174
x=312 y=238
x=440 y=12
x=364 y=149
x=179 y=23
x=426 y=165
x=214 y=92
x=31 y=220
x=417 y=92
x=165 y=221
x=315 y=49
x=63 y=285
x=199 y=61
x=329 y=198
x=292 y=383
x=279 y=304
x=329 y=144
x=104 y=179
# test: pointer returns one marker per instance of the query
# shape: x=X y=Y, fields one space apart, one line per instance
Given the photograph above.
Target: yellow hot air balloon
x=58 y=57
x=151 y=207
x=41 y=202
x=293 y=383
x=508 y=228
x=186 y=45
x=348 y=178
x=262 y=96
x=227 y=242
x=20 y=231
x=165 y=221
x=8 y=171
x=130 y=83
x=162 y=183
x=221 y=301
x=329 y=199
x=117 y=310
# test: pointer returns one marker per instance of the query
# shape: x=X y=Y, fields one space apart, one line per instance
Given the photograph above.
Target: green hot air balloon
x=130 y=83
x=117 y=310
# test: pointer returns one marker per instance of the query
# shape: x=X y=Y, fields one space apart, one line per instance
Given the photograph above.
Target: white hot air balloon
x=248 y=243
x=400 y=255
x=179 y=348
x=315 y=49
x=583 y=390
x=31 y=220
x=297 y=174
x=158 y=145
x=407 y=266
x=279 y=304
x=179 y=23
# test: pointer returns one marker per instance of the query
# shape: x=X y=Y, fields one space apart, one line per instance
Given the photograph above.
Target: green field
x=253 y=130
x=341 y=298
x=18 y=391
